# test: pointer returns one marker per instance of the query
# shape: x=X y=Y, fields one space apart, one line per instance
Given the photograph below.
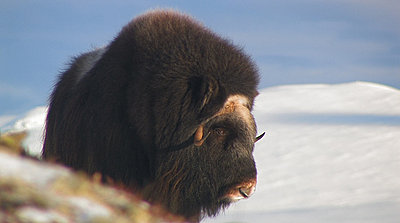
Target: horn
x=198 y=136
x=259 y=137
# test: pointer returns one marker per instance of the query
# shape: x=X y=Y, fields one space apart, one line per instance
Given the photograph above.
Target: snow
x=331 y=153
x=34 y=123
x=30 y=214
x=89 y=209
x=39 y=175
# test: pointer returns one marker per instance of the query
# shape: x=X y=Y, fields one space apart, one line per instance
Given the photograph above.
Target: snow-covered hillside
x=331 y=154
x=34 y=123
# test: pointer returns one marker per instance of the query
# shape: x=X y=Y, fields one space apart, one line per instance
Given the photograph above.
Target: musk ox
x=164 y=109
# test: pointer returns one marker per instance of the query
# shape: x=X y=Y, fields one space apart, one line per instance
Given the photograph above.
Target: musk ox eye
x=221 y=132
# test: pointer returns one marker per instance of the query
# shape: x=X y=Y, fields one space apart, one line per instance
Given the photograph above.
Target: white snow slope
x=331 y=154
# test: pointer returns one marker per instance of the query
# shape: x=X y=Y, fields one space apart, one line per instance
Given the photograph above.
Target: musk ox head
x=165 y=109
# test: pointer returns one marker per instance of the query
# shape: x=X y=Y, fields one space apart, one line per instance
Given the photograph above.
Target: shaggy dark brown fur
x=136 y=110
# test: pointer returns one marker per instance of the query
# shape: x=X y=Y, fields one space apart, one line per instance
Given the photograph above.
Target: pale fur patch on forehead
x=238 y=100
x=238 y=104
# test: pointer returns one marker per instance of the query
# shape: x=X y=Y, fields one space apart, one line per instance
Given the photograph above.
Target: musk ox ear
x=204 y=90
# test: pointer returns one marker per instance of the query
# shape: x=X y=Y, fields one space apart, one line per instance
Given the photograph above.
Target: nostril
x=247 y=191
x=243 y=192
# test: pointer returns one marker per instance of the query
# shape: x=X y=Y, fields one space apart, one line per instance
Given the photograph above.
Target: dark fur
x=147 y=92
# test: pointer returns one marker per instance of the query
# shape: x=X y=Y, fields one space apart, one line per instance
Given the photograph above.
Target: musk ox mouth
x=241 y=191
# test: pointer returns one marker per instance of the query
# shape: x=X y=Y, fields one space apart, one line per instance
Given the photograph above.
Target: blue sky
x=292 y=42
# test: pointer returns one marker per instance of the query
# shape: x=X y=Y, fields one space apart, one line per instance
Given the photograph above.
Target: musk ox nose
x=241 y=191
x=246 y=191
